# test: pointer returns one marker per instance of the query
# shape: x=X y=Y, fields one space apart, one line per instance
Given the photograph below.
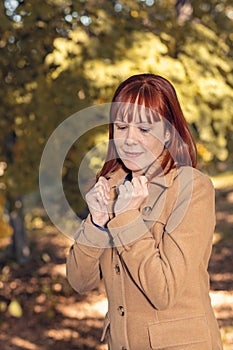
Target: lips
x=132 y=154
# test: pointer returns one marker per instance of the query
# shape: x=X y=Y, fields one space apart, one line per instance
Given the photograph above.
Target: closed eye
x=121 y=126
x=145 y=130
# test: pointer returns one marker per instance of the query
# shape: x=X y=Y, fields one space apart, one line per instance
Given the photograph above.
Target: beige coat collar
x=157 y=186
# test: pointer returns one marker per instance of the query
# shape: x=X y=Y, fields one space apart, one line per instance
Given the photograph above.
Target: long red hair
x=159 y=96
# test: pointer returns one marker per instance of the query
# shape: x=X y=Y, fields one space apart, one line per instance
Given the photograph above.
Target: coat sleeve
x=82 y=266
x=160 y=268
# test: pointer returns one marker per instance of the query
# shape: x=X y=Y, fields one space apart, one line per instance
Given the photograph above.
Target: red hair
x=159 y=97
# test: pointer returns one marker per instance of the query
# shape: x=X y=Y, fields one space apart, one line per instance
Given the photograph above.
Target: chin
x=132 y=166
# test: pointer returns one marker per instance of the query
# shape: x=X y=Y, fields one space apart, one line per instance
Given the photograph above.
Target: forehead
x=134 y=113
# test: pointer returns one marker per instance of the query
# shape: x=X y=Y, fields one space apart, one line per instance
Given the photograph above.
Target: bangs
x=133 y=113
x=138 y=103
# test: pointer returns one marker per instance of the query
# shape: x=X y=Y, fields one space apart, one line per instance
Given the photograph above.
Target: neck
x=153 y=168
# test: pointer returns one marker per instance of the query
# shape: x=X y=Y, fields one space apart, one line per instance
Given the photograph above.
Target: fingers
x=102 y=202
x=140 y=185
x=140 y=180
x=125 y=190
x=131 y=195
x=100 y=193
x=137 y=187
x=102 y=190
x=143 y=180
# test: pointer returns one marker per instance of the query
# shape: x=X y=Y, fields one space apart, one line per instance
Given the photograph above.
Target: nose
x=131 y=137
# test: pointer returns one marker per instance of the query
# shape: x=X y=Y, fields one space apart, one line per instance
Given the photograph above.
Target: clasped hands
x=130 y=196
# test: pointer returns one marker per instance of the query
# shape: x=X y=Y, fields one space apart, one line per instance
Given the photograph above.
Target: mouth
x=132 y=154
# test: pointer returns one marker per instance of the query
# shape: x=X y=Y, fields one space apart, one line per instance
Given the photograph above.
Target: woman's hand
x=131 y=194
x=97 y=199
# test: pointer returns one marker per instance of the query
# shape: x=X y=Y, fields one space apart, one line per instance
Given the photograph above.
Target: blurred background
x=58 y=57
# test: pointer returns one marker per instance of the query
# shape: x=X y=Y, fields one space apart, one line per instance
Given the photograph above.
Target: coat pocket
x=105 y=327
x=179 y=332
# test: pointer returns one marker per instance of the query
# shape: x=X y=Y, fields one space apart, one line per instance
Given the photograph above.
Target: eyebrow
x=135 y=123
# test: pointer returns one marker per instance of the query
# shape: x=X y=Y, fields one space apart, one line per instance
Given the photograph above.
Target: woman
x=150 y=228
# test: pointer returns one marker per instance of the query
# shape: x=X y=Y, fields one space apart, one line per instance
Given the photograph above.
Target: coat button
x=146 y=210
x=117 y=269
x=121 y=310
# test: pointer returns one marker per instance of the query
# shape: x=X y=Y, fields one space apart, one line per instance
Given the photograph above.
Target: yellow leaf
x=15 y=308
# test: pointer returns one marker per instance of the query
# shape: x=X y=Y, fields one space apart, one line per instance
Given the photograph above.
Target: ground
x=40 y=311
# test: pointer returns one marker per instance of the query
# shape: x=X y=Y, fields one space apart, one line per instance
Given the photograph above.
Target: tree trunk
x=20 y=246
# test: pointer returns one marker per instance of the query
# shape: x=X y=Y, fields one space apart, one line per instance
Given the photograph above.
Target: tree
x=61 y=56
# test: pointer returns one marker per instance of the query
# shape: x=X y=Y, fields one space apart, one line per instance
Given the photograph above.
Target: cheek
x=157 y=136
x=118 y=142
x=155 y=146
x=117 y=136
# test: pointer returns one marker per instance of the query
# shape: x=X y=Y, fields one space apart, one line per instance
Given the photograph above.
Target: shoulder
x=194 y=196
x=202 y=182
x=195 y=178
x=191 y=185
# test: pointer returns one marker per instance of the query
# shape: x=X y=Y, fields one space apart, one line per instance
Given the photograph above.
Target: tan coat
x=155 y=274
